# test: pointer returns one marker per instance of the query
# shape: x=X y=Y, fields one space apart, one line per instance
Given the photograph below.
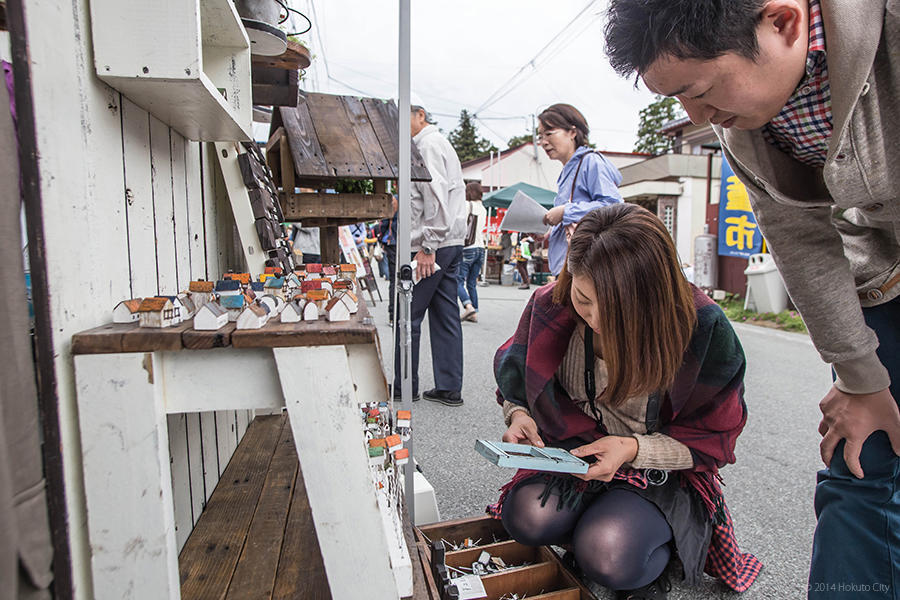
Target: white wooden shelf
x=187 y=62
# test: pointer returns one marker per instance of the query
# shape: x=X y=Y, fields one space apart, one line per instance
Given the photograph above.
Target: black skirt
x=682 y=508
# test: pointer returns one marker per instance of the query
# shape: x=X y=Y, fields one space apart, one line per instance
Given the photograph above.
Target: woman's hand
x=611 y=453
x=522 y=430
x=554 y=215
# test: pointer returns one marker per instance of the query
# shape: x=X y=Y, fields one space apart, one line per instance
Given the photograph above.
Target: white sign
x=524 y=215
x=470 y=587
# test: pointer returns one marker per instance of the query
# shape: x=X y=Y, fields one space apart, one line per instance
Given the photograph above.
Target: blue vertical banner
x=739 y=234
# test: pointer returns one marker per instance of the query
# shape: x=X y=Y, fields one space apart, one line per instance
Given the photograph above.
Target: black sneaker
x=657 y=590
x=444 y=397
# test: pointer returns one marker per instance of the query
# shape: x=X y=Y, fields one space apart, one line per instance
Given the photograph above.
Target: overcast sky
x=463 y=51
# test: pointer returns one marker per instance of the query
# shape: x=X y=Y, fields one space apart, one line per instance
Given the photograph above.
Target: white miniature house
x=126 y=311
x=254 y=316
x=337 y=310
x=201 y=292
x=210 y=317
x=292 y=312
x=274 y=303
x=310 y=311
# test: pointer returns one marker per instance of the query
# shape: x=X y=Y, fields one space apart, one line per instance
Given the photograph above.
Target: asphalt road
x=769 y=490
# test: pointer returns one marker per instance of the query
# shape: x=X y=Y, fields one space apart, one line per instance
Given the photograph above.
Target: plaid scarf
x=703 y=409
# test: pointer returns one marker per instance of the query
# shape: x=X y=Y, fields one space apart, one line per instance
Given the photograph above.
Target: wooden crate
x=543 y=577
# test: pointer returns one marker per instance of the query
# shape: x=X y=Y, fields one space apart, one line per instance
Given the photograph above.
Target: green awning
x=502 y=197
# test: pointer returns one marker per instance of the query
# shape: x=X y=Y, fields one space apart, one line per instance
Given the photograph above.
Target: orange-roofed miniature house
x=376 y=442
x=158 y=312
x=126 y=311
x=201 y=286
x=394 y=442
x=254 y=316
x=244 y=278
x=401 y=456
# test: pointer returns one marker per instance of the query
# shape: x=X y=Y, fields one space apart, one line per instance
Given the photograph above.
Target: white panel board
x=195 y=465
x=196 y=236
x=210 y=453
x=139 y=200
x=325 y=421
x=180 y=206
x=163 y=208
x=181 y=479
x=226 y=440
x=127 y=478
x=227 y=155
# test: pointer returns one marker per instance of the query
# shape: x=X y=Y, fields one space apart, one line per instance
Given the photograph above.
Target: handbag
x=471 y=228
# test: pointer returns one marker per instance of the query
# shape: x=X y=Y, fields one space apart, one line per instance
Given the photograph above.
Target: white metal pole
x=491 y=167
x=499 y=169
x=403 y=241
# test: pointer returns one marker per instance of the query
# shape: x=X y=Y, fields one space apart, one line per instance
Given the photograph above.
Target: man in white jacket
x=438 y=223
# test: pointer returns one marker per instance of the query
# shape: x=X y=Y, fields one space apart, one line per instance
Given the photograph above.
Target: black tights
x=620 y=539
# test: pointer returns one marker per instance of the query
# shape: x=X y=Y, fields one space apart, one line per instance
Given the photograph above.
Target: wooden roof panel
x=333 y=137
x=339 y=144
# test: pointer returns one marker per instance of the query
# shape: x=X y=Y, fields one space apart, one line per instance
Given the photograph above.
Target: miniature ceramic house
x=158 y=312
x=310 y=284
x=394 y=443
x=275 y=286
x=126 y=311
x=233 y=305
x=330 y=272
x=257 y=288
x=275 y=304
x=210 y=317
x=401 y=457
x=292 y=281
x=253 y=316
x=201 y=292
x=348 y=270
x=188 y=307
x=314 y=269
x=180 y=310
x=319 y=297
x=350 y=299
x=310 y=311
x=343 y=284
x=243 y=278
x=336 y=310
x=325 y=284
x=228 y=287
x=292 y=312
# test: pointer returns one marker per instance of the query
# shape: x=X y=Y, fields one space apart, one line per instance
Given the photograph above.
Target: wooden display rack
x=328 y=138
x=128 y=380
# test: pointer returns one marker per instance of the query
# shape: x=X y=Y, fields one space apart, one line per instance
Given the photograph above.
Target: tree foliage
x=466 y=141
x=652 y=117
x=518 y=140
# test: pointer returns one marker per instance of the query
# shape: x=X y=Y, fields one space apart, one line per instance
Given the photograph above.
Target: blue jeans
x=857 y=542
x=467 y=279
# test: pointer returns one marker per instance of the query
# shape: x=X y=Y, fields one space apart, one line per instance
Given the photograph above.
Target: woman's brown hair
x=474 y=191
x=566 y=116
x=645 y=304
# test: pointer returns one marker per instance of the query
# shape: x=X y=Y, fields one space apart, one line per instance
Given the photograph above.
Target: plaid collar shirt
x=803 y=127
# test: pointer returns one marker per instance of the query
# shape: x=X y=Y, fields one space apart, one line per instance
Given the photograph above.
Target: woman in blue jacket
x=587 y=181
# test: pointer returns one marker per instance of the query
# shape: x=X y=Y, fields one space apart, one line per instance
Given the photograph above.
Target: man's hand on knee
x=854 y=417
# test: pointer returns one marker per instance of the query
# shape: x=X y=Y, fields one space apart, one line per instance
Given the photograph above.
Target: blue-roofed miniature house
x=258 y=288
x=228 y=287
x=234 y=304
x=276 y=287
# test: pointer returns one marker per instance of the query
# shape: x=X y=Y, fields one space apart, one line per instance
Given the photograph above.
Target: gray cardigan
x=835 y=231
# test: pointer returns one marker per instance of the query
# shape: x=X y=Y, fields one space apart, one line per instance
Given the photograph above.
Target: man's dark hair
x=638 y=32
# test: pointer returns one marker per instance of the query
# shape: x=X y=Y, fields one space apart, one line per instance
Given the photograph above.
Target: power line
x=514 y=81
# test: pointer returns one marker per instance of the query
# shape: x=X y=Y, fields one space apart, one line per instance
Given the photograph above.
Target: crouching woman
x=631 y=368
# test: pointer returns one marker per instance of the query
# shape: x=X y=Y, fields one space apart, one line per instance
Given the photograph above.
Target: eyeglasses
x=542 y=135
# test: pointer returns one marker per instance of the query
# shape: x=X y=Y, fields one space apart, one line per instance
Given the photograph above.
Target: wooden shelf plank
x=254 y=576
x=295 y=57
x=211 y=553
x=308 y=333
x=193 y=339
x=362 y=207
x=128 y=337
